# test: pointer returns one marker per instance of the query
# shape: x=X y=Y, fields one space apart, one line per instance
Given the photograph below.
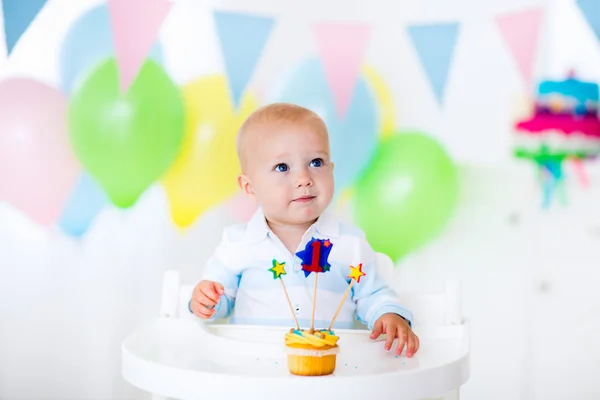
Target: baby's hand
x=204 y=298
x=394 y=326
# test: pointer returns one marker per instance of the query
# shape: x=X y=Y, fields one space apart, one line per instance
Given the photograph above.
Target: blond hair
x=276 y=112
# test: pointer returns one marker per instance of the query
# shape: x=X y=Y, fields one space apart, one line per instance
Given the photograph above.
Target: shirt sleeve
x=221 y=268
x=372 y=295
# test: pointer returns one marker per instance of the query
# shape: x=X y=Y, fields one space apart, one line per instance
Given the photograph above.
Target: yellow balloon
x=384 y=100
x=345 y=196
x=205 y=171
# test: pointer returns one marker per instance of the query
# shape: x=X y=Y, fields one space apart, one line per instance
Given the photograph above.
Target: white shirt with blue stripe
x=252 y=296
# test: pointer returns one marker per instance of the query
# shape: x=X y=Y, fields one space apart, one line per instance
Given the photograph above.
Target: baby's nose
x=304 y=179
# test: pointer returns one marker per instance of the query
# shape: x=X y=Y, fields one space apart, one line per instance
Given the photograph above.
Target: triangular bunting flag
x=591 y=12
x=18 y=15
x=135 y=25
x=242 y=38
x=341 y=48
x=435 y=47
x=521 y=32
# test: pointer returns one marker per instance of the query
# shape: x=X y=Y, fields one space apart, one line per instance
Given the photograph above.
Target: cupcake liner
x=311 y=366
x=311 y=361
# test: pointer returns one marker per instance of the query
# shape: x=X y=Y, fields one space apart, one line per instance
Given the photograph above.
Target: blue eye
x=317 y=162
x=282 y=167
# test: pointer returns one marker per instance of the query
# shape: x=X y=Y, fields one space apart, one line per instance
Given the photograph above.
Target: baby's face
x=289 y=172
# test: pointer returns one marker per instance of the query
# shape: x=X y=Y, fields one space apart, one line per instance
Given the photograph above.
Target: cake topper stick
x=314 y=259
x=355 y=275
x=312 y=320
x=278 y=270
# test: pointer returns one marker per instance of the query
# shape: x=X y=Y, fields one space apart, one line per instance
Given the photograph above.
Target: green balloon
x=126 y=140
x=406 y=195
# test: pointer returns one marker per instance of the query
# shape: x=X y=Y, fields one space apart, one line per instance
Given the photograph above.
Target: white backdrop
x=65 y=305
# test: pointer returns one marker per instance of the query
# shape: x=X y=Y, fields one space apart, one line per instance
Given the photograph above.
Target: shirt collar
x=257 y=228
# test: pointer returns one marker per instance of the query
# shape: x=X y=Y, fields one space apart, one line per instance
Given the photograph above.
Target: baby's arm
x=372 y=295
x=219 y=283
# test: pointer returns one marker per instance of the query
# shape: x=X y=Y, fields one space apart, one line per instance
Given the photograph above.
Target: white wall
x=530 y=279
x=65 y=305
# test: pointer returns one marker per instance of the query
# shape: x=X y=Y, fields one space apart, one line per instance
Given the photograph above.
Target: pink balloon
x=38 y=169
x=241 y=208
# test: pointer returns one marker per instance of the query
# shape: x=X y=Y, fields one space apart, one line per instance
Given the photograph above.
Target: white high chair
x=180 y=357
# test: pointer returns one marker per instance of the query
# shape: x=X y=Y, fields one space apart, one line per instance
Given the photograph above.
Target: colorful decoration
x=315 y=259
x=243 y=38
x=591 y=11
x=407 y=195
x=520 y=31
x=342 y=48
x=278 y=269
x=355 y=274
x=205 y=170
x=88 y=43
x=435 y=47
x=315 y=256
x=135 y=25
x=126 y=142
x=564 y=127
x=18 y=15
x=197 y=170
x=568 y=97
x=354 y=138
x=38 y=169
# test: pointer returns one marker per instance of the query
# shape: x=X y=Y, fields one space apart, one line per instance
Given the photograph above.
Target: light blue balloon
x=353 y=139
x=89 y=42
x=87 y=200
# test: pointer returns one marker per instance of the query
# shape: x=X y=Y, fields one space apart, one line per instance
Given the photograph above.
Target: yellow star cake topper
x=278 y=269
x=356 y=273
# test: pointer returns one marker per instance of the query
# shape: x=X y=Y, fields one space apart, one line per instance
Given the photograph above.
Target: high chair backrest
x=438 y=308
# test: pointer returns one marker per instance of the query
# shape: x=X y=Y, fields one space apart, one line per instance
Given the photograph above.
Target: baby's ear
x=245 y=186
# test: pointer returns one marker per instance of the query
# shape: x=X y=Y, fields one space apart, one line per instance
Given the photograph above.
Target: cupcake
x=311 y=353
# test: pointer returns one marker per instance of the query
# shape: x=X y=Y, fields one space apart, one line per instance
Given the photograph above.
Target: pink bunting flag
x=135 y=25
x=341 y=48
x=521 y=32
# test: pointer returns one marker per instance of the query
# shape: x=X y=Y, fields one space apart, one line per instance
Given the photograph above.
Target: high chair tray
x=186 y=359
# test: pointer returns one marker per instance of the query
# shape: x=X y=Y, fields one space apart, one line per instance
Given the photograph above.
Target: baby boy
x=284 y=154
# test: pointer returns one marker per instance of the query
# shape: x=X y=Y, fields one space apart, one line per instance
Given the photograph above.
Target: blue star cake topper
x=315 y=256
